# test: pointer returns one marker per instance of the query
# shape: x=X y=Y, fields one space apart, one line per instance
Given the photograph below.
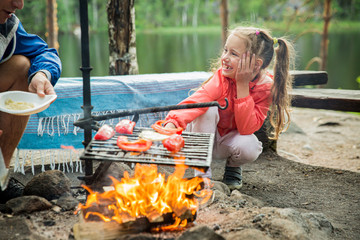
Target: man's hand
x=41 y=85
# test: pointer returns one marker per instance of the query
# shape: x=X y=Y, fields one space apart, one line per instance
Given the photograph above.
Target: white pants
x=236 y=149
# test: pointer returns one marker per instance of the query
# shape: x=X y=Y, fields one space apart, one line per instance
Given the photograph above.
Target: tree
x=224 y=20
x=325 y=38
x=51 y=24
x=122 y=46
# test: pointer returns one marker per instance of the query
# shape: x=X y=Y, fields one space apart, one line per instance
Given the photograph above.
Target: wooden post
x=52 y=26
x=224 y=20
x=122 y=45
x=325 y=40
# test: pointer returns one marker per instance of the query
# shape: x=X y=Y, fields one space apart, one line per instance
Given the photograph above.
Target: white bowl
x=40 y=103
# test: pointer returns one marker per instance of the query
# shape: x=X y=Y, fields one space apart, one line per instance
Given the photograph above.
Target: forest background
x=290 y=17
x=154 y=15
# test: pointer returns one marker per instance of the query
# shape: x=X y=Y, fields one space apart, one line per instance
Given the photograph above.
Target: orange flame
x=148 y=194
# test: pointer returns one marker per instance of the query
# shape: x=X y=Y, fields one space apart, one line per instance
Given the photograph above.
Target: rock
x=329 y=123
x=67 y=202
x=249 y=234
x=258 y=218
x=116 y=170
x=49 y=184
x=4 y=208
x=307 y=147
x=18 y=229
x=319 y=223
x=28 y=204
x=56 y=209
x=294 y=128
x=286 y=229
x=200 y=233
x=217 y=197
x=249 y=201
x=292 y=224
x=220 y=186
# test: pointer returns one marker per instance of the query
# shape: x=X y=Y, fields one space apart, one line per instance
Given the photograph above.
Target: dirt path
x=282 y=183
x=318 y=169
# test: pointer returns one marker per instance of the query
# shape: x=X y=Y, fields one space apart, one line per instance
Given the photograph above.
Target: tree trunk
x=52 y=26
x=122 y=45
x=196 y=13
x=95 y=14
x=184 y=16
x=224 y=20
x=325 y=37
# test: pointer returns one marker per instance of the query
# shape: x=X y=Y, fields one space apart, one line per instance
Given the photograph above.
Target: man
x=26 y=64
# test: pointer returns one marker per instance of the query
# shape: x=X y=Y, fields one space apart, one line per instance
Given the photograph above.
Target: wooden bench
x=316 y=98
x=320 y=98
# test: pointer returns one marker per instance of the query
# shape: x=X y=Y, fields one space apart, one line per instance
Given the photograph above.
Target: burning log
x=95 y=230
x=107 y=230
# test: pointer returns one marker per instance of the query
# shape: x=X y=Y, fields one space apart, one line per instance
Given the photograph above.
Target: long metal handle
x=92 y=121
x=160 y=109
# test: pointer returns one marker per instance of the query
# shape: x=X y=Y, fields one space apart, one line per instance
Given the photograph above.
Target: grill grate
x=197 y=150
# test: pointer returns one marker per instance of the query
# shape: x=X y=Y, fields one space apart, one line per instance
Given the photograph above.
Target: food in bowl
x=18 y=105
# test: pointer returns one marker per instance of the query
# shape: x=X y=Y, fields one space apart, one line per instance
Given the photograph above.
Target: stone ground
x=310 y=190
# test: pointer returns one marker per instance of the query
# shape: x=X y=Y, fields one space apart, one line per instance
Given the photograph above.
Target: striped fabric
x=54 y=127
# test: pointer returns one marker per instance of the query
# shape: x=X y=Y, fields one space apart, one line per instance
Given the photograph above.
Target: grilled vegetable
x=104 y=133
x=158 y=126
x=125 y=126
x=140 y=145
x=174 y=143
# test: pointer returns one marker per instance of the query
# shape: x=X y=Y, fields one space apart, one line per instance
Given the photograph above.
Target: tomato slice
x=158 y=126
x=105 y=132
x=140 y=145
x=174 y=143
x=125 y=126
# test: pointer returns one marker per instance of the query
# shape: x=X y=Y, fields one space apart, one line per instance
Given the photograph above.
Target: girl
x=242 y=78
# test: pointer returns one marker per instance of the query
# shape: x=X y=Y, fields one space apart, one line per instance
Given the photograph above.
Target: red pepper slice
x=158 y=126
x=104 y=133
x=125 y=126
x=140 y=145
x=174 y=143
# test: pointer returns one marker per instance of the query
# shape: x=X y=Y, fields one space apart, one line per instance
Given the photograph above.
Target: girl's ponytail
x=281 y=100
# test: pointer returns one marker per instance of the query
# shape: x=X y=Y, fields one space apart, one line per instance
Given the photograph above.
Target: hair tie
x=257 y=32
x=275 y=40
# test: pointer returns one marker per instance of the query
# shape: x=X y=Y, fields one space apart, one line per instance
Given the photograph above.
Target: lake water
x=166 y=53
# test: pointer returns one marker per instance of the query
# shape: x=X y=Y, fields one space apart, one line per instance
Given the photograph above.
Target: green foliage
x=33 y=16
x=152 y=14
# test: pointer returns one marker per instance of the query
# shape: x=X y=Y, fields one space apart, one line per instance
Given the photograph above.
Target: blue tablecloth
x=54 y=127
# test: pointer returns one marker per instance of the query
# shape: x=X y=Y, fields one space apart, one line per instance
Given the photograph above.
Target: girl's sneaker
x=233 y=177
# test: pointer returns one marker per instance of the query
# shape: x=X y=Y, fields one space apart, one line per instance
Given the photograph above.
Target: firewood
x=95 y=230
x=108 y=230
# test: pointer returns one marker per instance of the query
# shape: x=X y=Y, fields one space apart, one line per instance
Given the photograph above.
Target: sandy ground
x=323 y=138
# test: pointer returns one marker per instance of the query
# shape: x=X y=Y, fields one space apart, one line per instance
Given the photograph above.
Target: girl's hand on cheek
x=246 y=70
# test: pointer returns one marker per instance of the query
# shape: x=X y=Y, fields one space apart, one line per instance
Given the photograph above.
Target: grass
x=295 y=28
x=177 y=30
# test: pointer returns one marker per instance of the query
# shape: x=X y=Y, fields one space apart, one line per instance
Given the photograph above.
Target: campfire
x=147 y=199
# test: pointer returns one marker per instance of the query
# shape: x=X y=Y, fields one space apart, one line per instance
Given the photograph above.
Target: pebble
x=258 y=218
